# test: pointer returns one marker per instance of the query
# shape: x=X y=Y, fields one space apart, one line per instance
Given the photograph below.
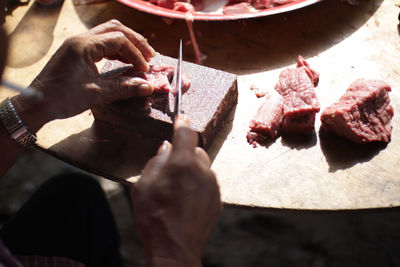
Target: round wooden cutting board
x=319 y=172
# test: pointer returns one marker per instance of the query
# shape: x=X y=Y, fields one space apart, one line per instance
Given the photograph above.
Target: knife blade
x=178 y=84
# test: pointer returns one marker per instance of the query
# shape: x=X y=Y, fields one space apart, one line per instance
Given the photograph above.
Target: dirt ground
x=243 y=237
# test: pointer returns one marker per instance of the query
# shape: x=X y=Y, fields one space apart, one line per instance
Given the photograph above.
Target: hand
x=176 y=202
x=70 y=82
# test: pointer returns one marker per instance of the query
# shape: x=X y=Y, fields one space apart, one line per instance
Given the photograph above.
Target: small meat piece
x=290 y=108
x=263 y=4
x=300 y=101
x=298 y=92
x=268 y=120
x=314 y=76
x=240 y=8
x=258 y=92
x=183 y=7
x=363 y=114
x=159 y=75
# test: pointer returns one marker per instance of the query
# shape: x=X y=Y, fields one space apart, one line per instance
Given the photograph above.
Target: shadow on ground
x=244 y=237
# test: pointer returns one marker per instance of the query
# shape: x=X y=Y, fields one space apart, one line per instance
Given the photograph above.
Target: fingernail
x=165 y=145
x=147 y=67
x=153 y=51
x=145 y=89
x=181 y=120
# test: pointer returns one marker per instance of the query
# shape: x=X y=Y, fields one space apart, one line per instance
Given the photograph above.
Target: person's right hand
x=70 y=81
x=176 y=202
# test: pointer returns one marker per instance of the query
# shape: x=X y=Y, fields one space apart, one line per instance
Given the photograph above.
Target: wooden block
x=210 y=98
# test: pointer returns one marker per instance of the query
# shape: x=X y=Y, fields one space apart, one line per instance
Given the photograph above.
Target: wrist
x=30 y=112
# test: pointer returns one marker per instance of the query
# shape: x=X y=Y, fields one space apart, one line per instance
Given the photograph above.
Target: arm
x=71 y=84
x=176 y=202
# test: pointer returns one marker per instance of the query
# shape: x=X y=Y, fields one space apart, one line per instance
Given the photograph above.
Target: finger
x=164 y=147
x=184 y=137
x=115 y=44
x=202 y=157
x=135 y=38
x=154 y=166
x=124 y=87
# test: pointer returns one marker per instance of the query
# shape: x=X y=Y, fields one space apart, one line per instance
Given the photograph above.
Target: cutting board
x=320 y=172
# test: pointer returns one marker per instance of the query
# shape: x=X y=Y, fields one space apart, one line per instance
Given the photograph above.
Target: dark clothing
x=68 y=217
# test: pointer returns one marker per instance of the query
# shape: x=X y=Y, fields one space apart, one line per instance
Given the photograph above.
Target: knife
x=178 y=83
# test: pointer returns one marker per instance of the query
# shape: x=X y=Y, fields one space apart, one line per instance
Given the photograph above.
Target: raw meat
x=239 y=8
x=263 y=4
x=300 y=101
x=159 y=75
x=183 y=7
x=314 y=76
x=290 y=108
x=232 y=7
x=257 y=91
x=164 y=3
x=363 y=114
x=268 y=120
x=199 y=56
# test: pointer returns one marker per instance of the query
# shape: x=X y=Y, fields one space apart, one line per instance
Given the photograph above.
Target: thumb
x=153 y=168
x=124 y=87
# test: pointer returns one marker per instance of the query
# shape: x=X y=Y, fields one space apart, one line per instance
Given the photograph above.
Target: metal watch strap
x=17 y=130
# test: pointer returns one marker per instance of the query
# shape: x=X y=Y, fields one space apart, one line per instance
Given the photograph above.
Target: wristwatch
x=16 y=129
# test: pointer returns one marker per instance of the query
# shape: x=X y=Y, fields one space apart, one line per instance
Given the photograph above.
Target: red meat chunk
x=314 y=76
x=268 y=120
x=291 y=108
x=239 y=8
x=262 y=4
x=363 y=114
x=300 y=103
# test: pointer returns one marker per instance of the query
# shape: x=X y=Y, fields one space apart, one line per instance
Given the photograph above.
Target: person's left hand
x=71 y=83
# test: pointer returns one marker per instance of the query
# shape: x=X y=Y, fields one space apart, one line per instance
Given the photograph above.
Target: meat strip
x=268 y=120
x=159 y=75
